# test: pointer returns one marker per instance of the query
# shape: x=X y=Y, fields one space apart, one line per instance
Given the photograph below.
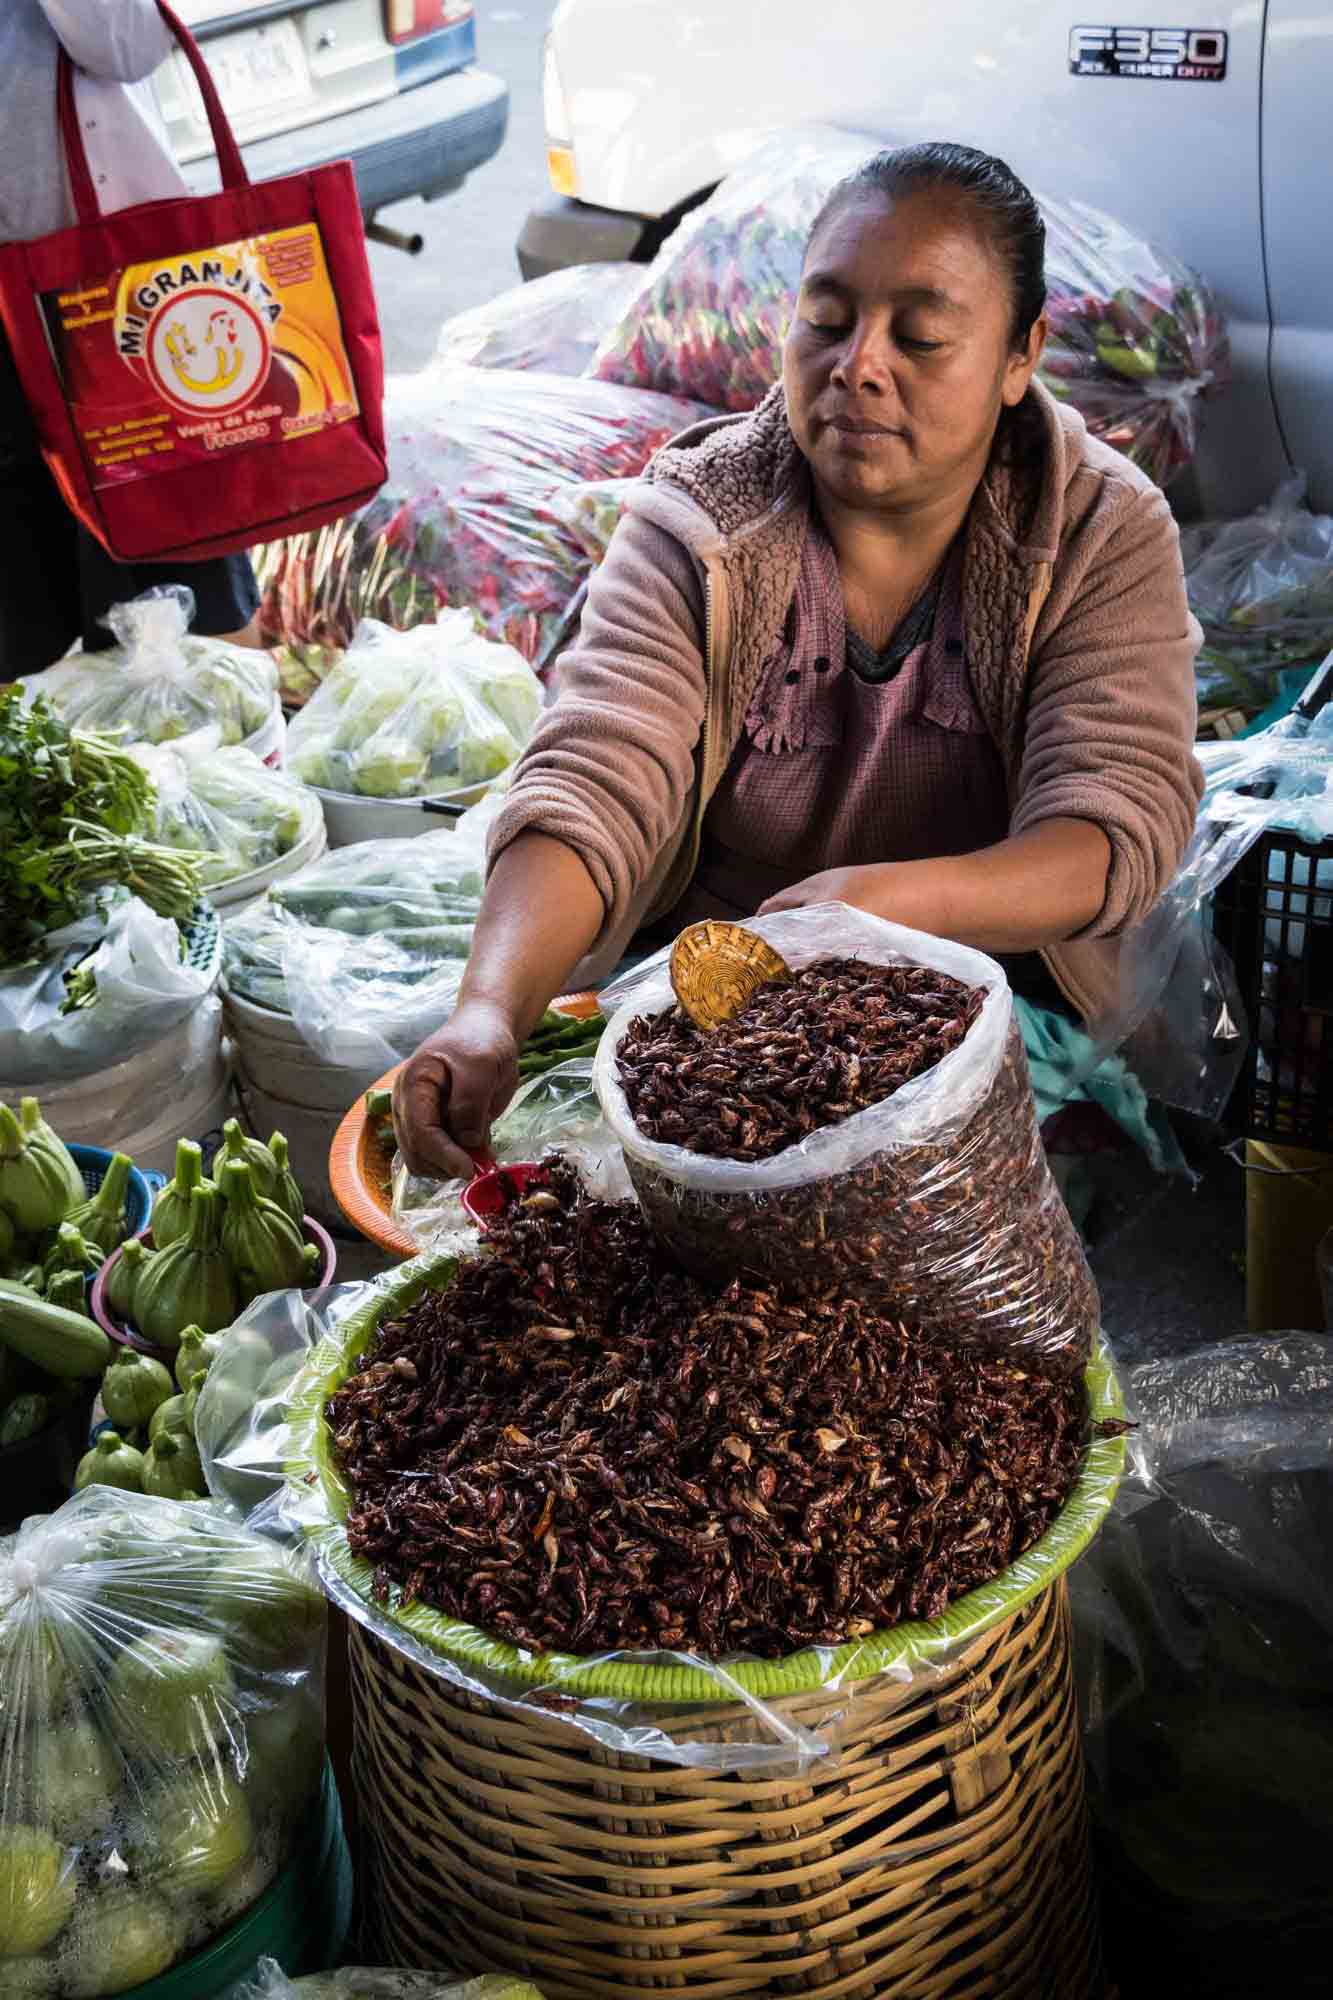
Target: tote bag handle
x=76 y=155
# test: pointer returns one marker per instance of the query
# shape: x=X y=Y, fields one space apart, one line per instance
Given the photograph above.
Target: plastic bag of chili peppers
x=1136 y=339
x=470 y=515
x=554 y=324
x=873 y=1120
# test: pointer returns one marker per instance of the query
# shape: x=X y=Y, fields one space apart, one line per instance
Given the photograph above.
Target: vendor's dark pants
x=57 y=583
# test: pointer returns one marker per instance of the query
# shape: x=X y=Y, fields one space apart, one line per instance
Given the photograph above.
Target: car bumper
x=421 y=142
x=559 y=232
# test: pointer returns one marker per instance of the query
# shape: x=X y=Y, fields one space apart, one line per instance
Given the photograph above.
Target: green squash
x=134 y=1388
x=171 y=1468
x=36 y=1891
x=121 y=1937
x=111 y=1462
x=34 y=1190
x=191 y=1282
x=171 y=1210
x=195 y=1355
x=38 y=1133
x=123 y=1278
x=102 y=1217
x=265 y=1247
x=286 y=1188
x=165 y=1691
x=239 y=1150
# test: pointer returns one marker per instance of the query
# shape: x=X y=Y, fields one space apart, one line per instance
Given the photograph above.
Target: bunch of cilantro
x=74 y=811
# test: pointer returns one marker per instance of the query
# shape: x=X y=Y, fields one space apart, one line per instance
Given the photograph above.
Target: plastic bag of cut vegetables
x=469 y=517
x=1135 y=337
x=161 y=1736
x=554 y=324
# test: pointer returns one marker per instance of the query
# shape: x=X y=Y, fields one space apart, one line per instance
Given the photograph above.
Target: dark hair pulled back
x=1005 y=207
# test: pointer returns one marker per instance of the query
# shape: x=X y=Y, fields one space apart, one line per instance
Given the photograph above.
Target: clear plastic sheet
x=1262 y=589
x=1136 y=339
x=1204 y=1639
x=467 y=518
x=557 y=1112
x=553 y=325
x=364 y=1982
x=144 y=987
x=161 y=1735
x=159 y=682
x=365 y=948
x=271 y=1460
x=228 y=807
x=413 y=714
x=938 y=1202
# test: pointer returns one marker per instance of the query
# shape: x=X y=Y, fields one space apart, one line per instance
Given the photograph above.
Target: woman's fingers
x=450 y=1092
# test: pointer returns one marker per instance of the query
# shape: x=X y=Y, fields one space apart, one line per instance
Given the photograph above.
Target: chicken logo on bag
x=201 y=329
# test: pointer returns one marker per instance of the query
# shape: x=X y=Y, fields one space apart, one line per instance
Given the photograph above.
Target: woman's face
x=898 y=362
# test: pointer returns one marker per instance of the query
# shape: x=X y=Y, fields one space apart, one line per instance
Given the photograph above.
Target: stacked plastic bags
x=161 y=1736
x=1135 y=341
x=471 y=516
x=415 y=714
x=553 y=325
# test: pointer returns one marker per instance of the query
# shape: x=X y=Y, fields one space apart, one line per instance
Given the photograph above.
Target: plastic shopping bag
x=1136 y=339
x=230 y=808
x=415 y=714
x=161 y=1735
x=936 y=1202
x=468 y=518
x=1262 y=589
x=159 y=681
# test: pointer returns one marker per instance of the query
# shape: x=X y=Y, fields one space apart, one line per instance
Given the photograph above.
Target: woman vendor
x=904 y=637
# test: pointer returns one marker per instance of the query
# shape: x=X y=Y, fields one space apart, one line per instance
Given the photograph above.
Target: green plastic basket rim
x=624 y=1677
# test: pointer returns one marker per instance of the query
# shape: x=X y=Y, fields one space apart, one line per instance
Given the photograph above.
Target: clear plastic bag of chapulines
x=935 y=1202
x=1136 y=338
x=469 y=516
x=161 y=1736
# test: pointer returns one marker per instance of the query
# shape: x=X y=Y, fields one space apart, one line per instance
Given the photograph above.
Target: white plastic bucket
x=243 y=890
x=176 y=1088
x=283 y=1086
x=350 y=818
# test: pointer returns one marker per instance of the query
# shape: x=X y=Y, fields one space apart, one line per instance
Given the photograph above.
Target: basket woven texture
x=944 y=1856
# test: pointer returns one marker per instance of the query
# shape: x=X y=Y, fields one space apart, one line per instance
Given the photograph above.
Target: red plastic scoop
x=493 y=1189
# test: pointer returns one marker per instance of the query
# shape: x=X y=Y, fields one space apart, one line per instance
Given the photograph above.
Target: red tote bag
x=203 y=373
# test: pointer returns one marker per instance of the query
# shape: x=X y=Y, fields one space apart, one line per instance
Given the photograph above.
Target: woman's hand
x=447 y=1097
x=866 y=888
x=1036 y=888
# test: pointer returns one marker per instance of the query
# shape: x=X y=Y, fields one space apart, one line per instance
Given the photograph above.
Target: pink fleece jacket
x=1080 y=646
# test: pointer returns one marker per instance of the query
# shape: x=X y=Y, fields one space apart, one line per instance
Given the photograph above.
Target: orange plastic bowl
x=360 y=1169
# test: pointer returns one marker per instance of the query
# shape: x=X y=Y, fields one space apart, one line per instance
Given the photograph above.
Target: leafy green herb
x=74 y=808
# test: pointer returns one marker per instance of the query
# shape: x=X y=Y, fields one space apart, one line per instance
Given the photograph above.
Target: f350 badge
x=1172 y=55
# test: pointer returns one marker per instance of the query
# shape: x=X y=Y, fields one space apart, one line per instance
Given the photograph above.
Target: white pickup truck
x=1209 y=140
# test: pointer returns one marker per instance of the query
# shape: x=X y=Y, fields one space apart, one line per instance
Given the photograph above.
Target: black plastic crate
x=1274 y=914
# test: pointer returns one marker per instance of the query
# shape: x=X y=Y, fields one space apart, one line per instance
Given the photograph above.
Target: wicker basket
x=944 y=1857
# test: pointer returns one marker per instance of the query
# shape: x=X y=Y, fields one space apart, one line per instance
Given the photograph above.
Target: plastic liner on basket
x=1262 y=589
x=365 y=1982
x=476 y=458
x=553 y=325
x=228 y=807
x=1204 y=1640
x=1135 y=341
x=135 y=982
x=413 y=714
x=161 y=1735
x=161 y=682
x=555 y=1112
x=937 y=1202
x=272 y=1460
